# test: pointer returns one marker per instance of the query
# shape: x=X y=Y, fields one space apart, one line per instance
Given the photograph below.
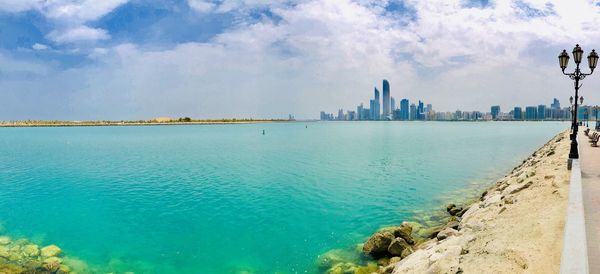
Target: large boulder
x=404 y=231
x=378 y=244
x=31 y=250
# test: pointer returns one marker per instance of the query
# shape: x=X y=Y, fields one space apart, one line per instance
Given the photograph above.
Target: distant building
x=541 y=112
x=386 y=100
x=518 y=113
x=420 y=111
x=495 y=111
x=404 y=110
x=555 y=104
x=340 y=115
x=359 y=112
x=413 y=112
x=392 y=104
x=375 y=106
x=530 y=113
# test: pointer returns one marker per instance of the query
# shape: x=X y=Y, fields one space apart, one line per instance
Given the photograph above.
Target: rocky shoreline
x=514 y=227
x=24 y=257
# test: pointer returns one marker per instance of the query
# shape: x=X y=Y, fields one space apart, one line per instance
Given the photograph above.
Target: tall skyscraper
x=392 y=104
x=359 y=112
x=386 y=99
x=518 y=113
x=420 y=111
x=495 y=112
x=404 y=110
x=376 y=106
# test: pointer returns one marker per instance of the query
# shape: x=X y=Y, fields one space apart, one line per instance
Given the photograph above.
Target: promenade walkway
x=590 y=173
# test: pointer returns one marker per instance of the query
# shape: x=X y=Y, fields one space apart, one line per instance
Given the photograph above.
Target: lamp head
x=563 y=59
x=571 y=100
x=577 y=54
x=593 y=59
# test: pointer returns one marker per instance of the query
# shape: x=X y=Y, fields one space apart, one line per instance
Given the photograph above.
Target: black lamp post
x=563 y=60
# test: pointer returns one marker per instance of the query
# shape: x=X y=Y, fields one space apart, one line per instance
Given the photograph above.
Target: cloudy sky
x=134 y=59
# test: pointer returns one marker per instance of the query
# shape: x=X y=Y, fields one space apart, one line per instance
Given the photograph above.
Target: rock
x=4 y=240
x=378 y=243
x=4 y=252
x=453 y=225
x=445 y=233
x=496 y=198
x=407 y=251
x=404 y=231
x=394 y=260
x=333 y=257
x=516 y=188
x=462 y=212
x=31 y=250
x=455 y=211
x=483 y=196
x=51 y=251
x=397 y=246
x=450 y=207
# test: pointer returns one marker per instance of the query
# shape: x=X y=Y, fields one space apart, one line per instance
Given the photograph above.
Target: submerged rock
x=51 y=251
x=31 y=250
x=4 y=240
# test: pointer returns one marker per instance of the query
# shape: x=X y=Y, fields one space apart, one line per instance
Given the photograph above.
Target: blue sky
x=133 y=59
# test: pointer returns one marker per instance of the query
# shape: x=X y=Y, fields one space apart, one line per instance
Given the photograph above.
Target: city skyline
x=408 y=112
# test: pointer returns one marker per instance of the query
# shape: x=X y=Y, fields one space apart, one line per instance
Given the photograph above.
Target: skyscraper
x=420 y=111
x=376 y=109
x=495 y=112
x=392 y=104
x=359 y=112
x=555 y=104
x=530 y=113
x=518 y=113
x=413 y=112
x=386 y=99
x=541 y=112
x=404 y=110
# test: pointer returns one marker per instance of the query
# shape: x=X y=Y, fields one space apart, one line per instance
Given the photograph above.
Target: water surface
x=227 y=199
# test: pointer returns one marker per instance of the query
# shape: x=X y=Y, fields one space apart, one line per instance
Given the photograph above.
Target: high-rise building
x=420 y=111
x=376 y=109
x=404 y=110
x=386 y=100
x=359 y=112
x=413 y=112
x=541 y=112
x=518 y=113
x=372 y=109
x=495 y=111
x=530 y=113
x=555 y=104
x=392 y=104
x=340 y=114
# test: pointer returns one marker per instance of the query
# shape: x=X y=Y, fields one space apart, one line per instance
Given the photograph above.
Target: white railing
x=574 y=258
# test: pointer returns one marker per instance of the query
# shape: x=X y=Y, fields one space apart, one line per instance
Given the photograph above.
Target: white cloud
x=326 y=54
x=201 y=5
x=78 y=34
x=38 y=46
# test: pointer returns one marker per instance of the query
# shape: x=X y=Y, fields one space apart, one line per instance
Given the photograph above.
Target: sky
x=133 y=59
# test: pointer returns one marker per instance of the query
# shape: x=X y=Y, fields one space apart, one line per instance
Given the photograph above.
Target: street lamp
x=563 y=61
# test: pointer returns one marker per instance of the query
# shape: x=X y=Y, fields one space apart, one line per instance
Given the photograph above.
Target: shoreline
x=480 y=235
x=126 y=124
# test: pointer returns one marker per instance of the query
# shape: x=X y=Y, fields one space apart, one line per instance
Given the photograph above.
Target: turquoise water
x=227 y=199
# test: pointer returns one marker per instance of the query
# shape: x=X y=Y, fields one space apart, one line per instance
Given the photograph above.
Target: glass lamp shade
x=571 y=100
x=577 y=54
x=563 y=59
x=581 y=100
x=593 y=59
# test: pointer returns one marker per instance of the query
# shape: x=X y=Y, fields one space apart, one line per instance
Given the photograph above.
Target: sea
x=230 y=199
